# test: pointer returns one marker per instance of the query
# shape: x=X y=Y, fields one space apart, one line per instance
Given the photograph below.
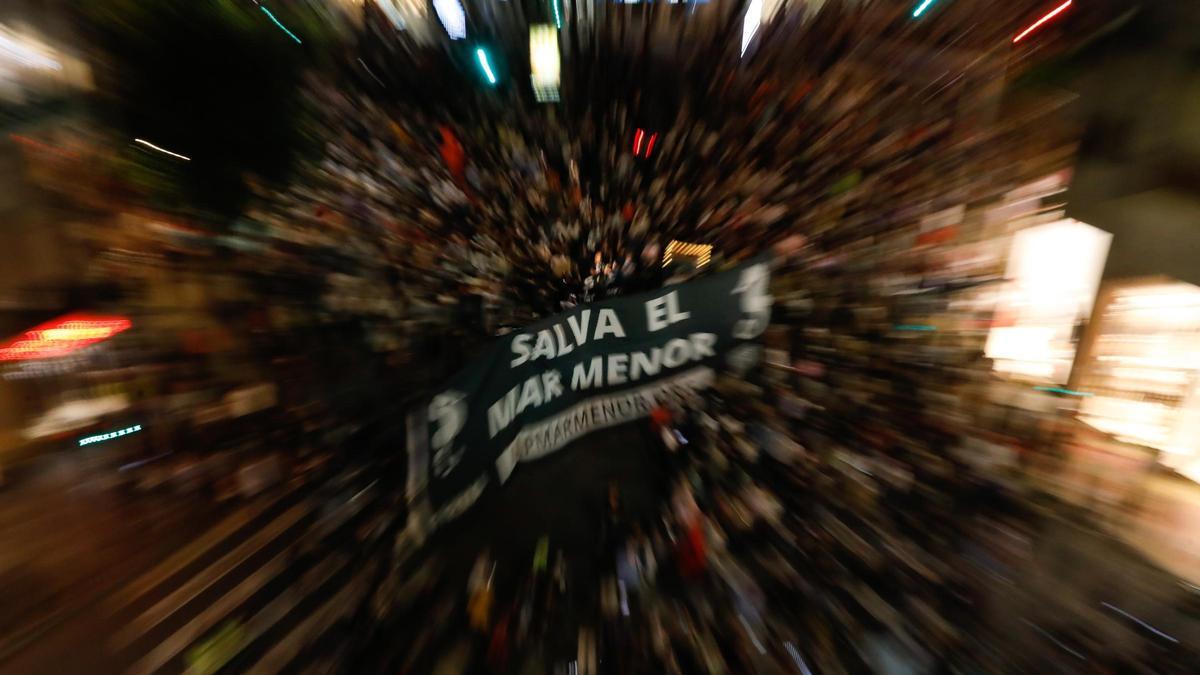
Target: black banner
x=586 y=369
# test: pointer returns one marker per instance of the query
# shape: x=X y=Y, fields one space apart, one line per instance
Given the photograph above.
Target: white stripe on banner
x=596 y=413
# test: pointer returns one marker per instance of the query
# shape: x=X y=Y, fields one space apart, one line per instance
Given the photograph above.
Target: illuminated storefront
x=1053 y=273
x=1138 y=370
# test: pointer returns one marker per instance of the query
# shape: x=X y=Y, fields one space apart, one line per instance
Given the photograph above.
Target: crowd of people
x=797 y=532
x=829 y=512
x=498 y=210
x=839 y=521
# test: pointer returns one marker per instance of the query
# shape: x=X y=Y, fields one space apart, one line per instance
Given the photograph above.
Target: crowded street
x=573 y=337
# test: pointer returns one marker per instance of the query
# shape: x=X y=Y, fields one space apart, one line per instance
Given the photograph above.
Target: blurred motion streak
x=544 y=64
x=281 y=26
x=892 y=326
x=152 y=146
x=1037 y=24
x=920 y=9
x=453 y=18
x=62 y=336
x=482 y=55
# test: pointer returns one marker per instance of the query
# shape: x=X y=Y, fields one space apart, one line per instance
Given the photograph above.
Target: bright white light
x=24 y=51
x=544 y=65
x=1150 y=355
x=453 y=19
x=1053 y=274
x=1025 y=343
x=148 y=144
x=754 y=13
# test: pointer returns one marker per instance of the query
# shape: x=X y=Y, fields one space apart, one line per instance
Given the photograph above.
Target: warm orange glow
x=62 y=336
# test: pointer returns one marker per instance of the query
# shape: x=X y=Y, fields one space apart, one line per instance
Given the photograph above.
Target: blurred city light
x=482 y=56
x=453 y=18
x=754 y=16
x=62 y=336
x=277 y=23
x=920 y=9
x=25 y=51
x=1047 y=295
x=110 y=435
x=544 y=65
x=1061 y=390
x=1142 y=364
x=152 y=146
x=698 y=254
x=643 y=141
x=1036 y=24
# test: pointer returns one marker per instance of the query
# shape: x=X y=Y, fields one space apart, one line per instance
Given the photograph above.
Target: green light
x=1060 y=390
x=281 y=26
x=919 y=327
x=483 y=63
x=110 y=435
x=557 y=18
x=921 y=8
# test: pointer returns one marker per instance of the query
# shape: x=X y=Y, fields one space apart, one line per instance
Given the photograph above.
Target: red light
x=38 y=145
x=637 y=142
x=1053 y=13
x=650 y=145
x=62 y=336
